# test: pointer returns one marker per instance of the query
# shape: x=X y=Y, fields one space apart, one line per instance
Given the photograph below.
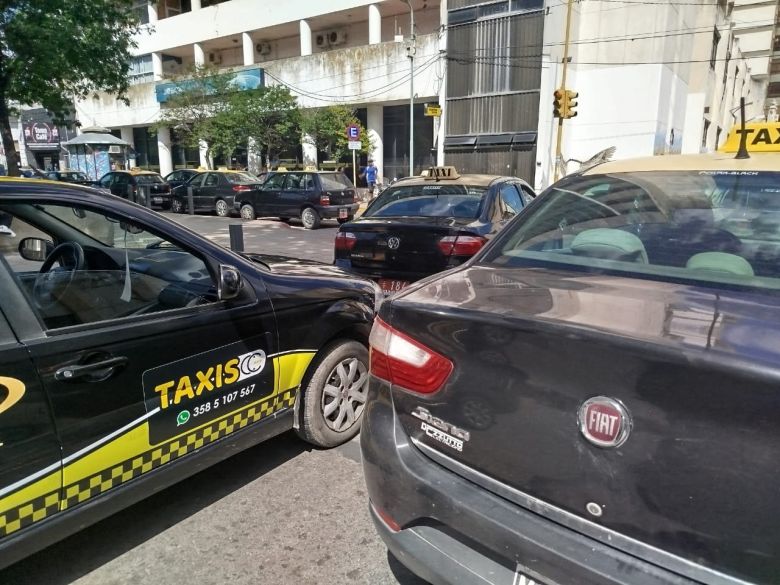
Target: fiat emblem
x=393 y=243
x=604 y=421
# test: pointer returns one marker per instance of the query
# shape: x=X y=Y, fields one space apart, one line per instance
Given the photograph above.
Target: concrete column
x=204 y=158
x=152 y=8
x=200 y=55
x=254 y=157
x=374 y=25
x=127 y=136
x=309 y=150
x=164 y=150
x=305 y=31
x=376 y=132
x=249 y=49
x=195 y=5
x=157 y=67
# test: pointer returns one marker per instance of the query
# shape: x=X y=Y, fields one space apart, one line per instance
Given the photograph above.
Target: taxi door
x=30 y=462
x=143 y=365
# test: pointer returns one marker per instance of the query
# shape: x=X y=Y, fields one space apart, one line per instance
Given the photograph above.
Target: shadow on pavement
x=78 y=555
x=403 y=575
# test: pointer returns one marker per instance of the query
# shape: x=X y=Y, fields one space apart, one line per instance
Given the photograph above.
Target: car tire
x=310 y=218
x=334 y=398
x=221 y=208
x=248 y=212
x=345 y=220
x=177 y=206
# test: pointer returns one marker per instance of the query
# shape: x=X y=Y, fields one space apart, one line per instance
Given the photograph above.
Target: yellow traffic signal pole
x=559 y=138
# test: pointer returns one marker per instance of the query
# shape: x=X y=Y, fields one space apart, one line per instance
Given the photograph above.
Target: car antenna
x=743 y=151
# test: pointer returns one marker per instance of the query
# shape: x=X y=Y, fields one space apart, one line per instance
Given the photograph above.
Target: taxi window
x=212 y=179
x=436 y=199
x=275 y=181
x=709 y=226
x=148 y=179
x=239 y=178
x=99 y=268
x=334 y=181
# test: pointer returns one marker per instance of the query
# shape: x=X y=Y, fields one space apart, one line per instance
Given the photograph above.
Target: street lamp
x=411 y=49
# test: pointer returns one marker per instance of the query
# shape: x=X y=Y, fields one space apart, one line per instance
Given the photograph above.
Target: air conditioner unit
x=114 y=149
x=263 y=48
x=215 y=58
x=322 y=40
x=337 y=37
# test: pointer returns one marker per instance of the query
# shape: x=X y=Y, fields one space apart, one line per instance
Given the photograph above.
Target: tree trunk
x=11 y=156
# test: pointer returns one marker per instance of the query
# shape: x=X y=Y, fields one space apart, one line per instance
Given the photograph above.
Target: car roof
x=473 y=180
x=716 y=161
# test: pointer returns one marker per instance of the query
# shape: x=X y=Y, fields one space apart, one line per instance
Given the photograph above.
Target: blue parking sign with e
x=353 y=132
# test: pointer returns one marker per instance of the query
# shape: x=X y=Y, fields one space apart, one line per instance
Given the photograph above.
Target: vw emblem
x=604 y=421
x=393 y=243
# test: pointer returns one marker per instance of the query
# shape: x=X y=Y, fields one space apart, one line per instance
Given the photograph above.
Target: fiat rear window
x=708 y=226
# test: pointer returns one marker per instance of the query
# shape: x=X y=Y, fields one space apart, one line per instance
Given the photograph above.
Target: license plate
x=156 y=199
x=389 y=285
x=343 y=213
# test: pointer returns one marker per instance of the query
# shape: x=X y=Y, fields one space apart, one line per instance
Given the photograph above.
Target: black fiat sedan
x=423 y=225
x=593 y=399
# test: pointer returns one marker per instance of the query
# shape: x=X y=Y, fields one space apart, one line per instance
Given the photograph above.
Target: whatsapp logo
x=182 y=418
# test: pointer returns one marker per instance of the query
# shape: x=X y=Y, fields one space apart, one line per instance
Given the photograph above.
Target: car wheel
x=345 y=220
x=222 y=208
x=177 y=206
x=310 y=218
x=247 y=211
x=334 y=398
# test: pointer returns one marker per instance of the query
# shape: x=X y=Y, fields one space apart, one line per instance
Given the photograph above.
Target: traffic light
x=571 y=102
x=564 y=103
x=559 y=103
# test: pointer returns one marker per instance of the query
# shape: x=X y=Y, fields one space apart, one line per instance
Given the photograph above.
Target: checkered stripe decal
x=79 y=492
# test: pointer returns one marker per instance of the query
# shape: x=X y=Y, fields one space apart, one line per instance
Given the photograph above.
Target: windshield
x=149 y=179
x=434 y=200
x=334 y=181
x=240 y=178
x=714 y=226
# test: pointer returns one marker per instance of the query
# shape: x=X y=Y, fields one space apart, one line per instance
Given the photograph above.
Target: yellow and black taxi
x=310 y=195
x=423 y=225
x=593 y=398
x=219 y=192
x=135 y=184
x=133 y=352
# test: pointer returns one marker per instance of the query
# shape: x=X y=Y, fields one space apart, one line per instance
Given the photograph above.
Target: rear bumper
x=455 y=531
x=372 y=274
x=332 y=211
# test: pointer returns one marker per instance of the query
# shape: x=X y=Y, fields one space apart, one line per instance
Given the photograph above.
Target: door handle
x=98 y=370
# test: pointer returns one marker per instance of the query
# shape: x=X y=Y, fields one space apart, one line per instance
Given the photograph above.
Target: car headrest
x=720 y=262
x=609 y=244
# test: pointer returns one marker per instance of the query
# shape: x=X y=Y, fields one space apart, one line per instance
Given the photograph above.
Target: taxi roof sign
x=761 y=137
x=438 y=173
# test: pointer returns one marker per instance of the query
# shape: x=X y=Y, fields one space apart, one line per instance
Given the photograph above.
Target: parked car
x=134 y=353
x=126 y=184
x=75 y=177
x=593 y=397
x=215 y=192
x=310 y=195
x=423 y=225
x=180 y=177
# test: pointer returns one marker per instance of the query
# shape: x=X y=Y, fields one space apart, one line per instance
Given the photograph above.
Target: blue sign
x=239 y=80
x=353 y=132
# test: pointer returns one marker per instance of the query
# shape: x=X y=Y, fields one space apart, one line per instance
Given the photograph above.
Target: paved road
x=279 y=513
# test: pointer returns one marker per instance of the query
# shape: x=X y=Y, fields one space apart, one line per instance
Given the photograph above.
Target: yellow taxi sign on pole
x=438 y=173
x=761 y=137
x=433 y=110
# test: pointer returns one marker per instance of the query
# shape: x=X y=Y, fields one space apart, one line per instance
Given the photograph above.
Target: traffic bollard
x=190 y=202
x=236 y=237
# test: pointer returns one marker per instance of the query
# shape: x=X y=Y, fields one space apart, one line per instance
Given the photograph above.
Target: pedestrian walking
x=369 y=173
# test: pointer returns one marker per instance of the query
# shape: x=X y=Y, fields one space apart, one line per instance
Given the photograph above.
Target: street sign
x=433 y=110
x=354 y=144
x=353 y=132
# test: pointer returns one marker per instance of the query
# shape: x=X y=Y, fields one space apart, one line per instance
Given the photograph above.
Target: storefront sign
x=41 y=135
x=239 y=80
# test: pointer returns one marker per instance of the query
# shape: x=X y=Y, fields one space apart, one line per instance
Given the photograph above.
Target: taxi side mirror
x=230 y=282
x=35 y=249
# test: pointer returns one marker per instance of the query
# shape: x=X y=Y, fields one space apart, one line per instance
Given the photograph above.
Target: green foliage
x=52 y=51
x=327 y=130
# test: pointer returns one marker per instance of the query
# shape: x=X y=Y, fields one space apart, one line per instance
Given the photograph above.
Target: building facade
x=351 y=52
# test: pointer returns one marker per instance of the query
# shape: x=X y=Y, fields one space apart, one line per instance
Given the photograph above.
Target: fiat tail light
x=404 y=361
x=461 y=245
x=345 y=241
x=324 y=199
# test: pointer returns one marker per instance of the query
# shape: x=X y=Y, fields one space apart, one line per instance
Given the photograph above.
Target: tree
x=269 y=118
x=200 y=112
x=326 y=128
x=55 y=51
